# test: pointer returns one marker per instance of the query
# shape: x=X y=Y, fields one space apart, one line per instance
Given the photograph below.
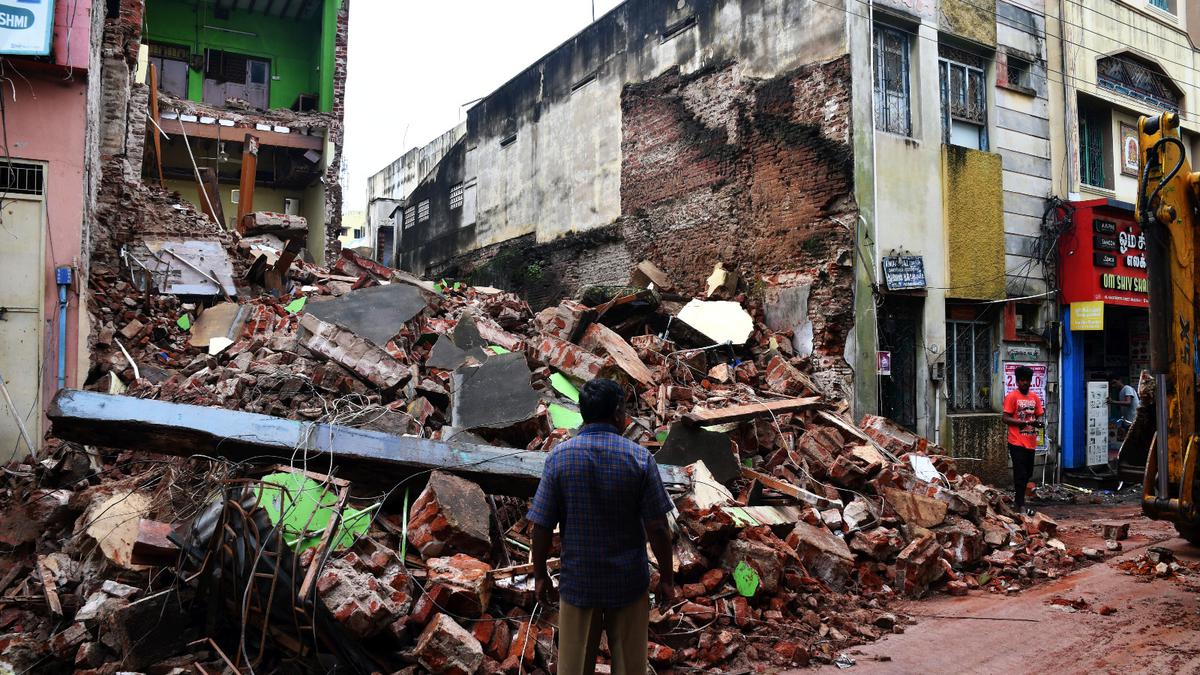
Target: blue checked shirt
x=600 y=487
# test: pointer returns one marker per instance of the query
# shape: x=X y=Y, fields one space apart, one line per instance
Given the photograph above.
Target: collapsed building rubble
x=360 y=501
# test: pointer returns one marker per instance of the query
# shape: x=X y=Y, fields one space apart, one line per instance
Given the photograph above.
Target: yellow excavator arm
x=1168 y=196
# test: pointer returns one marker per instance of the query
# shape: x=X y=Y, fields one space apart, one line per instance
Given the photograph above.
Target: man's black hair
x=599 y=400
x=1024 y=373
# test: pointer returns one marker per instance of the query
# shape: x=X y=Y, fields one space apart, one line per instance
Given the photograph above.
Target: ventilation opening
x=21 y=178
x=505 y=142
x=588 y=79
x=675 y=29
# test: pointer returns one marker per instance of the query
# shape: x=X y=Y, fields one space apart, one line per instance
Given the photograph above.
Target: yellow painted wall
x=974 y=215
x=265 y=199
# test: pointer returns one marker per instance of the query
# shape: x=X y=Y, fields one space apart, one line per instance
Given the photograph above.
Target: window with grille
x=22 y=178
x=1142 y=81
x=225 y=66
x=1095 y=146
x=969 y=366
x=964 y=98
x=166 y=51
x=410 y=217
x=1018 y=72
x=892 y=94
x=423 y=211
x=456 y=197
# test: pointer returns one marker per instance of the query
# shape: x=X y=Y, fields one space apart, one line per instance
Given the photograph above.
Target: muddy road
x=1154 y=628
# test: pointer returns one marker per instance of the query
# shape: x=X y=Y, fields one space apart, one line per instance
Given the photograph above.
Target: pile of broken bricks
x=796 y=531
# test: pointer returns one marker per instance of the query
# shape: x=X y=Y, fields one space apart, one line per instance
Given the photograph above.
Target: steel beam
x=185 y=430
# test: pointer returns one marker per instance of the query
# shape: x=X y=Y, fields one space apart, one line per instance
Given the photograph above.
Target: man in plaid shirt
x=604 y=493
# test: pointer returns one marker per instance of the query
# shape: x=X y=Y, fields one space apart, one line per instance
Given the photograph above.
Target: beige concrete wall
x=1090 y=31
x=562 y=172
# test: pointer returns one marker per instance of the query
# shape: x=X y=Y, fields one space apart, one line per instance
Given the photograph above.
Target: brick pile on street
x=797 y=532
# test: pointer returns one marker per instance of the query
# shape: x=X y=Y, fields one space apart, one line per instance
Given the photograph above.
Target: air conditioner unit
x=235 y=196
x=291 y=207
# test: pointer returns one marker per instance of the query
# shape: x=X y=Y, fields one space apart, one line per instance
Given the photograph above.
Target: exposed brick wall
x=755 y=174
x=717 y=167
x=333 y=176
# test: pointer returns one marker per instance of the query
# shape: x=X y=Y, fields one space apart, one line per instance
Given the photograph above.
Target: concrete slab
x=687 y=444
x=375 y=314
x=494 y=395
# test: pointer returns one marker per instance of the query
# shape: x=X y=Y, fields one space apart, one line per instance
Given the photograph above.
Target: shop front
x=1106 y=333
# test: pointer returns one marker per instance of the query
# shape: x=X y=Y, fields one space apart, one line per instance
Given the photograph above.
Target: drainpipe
x=62 y=277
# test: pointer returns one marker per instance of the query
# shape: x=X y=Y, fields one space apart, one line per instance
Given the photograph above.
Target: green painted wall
x=300 y=51
x=974 y=203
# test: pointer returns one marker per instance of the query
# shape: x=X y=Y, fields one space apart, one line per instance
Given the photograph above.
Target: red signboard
x=1103 y=257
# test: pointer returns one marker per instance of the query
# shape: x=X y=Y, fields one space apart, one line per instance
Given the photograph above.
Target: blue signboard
x=26 y=27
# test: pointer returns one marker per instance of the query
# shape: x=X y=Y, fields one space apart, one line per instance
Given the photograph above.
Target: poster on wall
x=1097 y=423
x=1038 y=386
x=1129 y=150
x=27 y=27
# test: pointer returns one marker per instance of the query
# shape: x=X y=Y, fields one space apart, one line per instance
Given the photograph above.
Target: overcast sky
x=414 y=63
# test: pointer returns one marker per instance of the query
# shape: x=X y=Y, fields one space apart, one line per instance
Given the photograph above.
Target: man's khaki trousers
x=579 y=637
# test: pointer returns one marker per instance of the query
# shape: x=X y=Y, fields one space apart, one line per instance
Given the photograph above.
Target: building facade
x=1117 y=60
x=48 y=177
x=225 y=70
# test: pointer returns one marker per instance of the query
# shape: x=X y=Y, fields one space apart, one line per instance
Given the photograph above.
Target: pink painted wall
x=72 y=25
x=46 y=122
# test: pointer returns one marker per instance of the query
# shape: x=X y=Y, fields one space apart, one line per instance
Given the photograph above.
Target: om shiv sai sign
x=27 y=26
x=1104 y=256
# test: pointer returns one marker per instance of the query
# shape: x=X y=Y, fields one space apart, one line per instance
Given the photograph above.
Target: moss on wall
x=974 y=210
x=968 y=19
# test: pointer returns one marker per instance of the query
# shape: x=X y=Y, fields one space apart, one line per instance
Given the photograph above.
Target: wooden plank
x=518 y=570
x=211 y=205
x=217 y=132
x=249 y=172
x=152 y=73
x=311 y=575
x=839 y=422
x=49 y=586
x=793 y=491
x=740 y=413
x=369 y=457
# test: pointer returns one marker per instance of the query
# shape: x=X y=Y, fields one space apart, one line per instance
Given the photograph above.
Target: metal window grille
x=1017 y=71
x=225 y=66
x=21 y=178
x=1164 y=5
x=423 y=211
x=892 y=96
x=1092 y=170
x=1125 y=76
x=456 y=197
x=964 y=98
x=410 y=217
x=969 y=360
x=165 y=51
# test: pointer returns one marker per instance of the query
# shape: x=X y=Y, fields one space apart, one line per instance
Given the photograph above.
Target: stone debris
x=799 y=526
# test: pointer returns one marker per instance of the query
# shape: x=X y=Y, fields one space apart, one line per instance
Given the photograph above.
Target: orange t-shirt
x=1026 y=408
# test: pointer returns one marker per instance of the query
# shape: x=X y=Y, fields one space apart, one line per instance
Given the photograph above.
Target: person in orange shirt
x=1023 y=413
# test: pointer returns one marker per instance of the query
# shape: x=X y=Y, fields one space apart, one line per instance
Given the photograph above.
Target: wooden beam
x=217 y=132
x=152 y=73
x=208 y=186
x=363 y=456
x=249 y=174
x=739 y=413
x=793 y=491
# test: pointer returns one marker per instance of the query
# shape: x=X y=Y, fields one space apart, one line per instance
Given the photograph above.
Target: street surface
x=1155 y=629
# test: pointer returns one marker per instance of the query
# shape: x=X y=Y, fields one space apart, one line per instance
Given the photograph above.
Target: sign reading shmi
x=26 y=27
